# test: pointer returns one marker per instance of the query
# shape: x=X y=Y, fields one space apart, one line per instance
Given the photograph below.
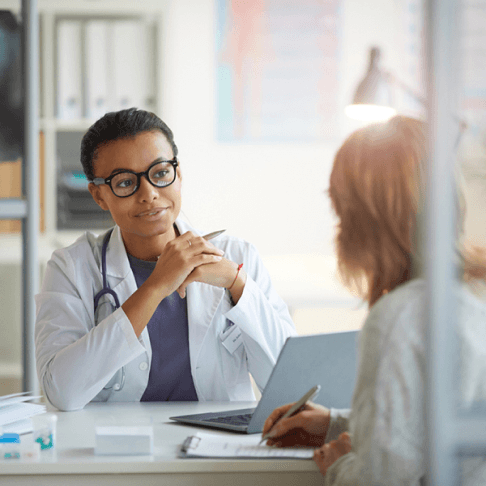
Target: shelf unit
x=55 y=129
x=51 y=129
x=25 y=208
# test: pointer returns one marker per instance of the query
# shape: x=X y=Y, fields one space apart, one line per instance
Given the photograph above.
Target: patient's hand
x=329 y=453
x=307 y=428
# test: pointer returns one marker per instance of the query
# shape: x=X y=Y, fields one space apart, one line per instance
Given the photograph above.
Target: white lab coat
x=79 y=354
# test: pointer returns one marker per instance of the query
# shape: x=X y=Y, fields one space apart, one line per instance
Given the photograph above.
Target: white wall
x=236 y=186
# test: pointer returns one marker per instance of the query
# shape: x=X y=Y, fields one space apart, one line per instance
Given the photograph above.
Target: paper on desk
x=14 y=412
x=16 y=398
x=225 y=446
x=19 y=411
x=4 y=397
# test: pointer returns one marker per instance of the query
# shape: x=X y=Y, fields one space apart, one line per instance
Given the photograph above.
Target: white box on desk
x=127 y=440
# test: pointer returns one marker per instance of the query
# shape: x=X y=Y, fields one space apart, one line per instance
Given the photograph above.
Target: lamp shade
x=373 y=100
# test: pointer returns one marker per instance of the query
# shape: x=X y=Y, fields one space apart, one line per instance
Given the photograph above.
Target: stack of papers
x=242 y=447
x=15 y=414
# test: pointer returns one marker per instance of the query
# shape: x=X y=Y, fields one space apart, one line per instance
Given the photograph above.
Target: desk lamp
x=373 y=100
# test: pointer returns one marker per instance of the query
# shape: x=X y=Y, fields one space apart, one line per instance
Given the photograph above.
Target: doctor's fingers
x=197 y=244
x=189 y=279
x=173 y=267
x=212 y=274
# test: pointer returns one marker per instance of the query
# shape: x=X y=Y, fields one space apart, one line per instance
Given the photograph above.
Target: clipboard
x=219 y=446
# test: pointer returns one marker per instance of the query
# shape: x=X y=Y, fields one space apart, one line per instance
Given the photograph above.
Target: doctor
x=150 y=310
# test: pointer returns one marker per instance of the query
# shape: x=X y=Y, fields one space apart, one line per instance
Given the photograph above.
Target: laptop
x=328 y=360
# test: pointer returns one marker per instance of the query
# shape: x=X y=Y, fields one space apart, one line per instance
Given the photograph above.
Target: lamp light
x=373 y=100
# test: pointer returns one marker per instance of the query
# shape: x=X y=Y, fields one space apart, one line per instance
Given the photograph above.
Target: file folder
x=69 y=63
x=131 y=73
x=97 y=68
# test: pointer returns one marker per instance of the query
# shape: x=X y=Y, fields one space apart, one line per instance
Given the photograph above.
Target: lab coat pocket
x=233 y=355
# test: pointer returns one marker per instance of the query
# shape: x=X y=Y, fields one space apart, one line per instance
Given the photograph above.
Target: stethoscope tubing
x=106 y=290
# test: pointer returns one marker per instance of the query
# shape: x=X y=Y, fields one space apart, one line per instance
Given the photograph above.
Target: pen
x=212 y=235
x=297 y=407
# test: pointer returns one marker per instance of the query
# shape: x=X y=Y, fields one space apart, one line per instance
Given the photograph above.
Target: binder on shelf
x=69 y=64
x=132 y=52
x=97 y=68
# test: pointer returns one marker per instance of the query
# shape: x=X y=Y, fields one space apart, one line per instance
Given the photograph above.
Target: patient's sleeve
x=339 y=423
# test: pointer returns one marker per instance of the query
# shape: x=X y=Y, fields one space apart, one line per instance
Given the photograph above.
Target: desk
x=76 y=463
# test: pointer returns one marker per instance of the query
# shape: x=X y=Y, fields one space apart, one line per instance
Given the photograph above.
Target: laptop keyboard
x=243 y=419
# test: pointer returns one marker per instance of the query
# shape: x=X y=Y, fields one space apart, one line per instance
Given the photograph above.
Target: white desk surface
x=75 y=462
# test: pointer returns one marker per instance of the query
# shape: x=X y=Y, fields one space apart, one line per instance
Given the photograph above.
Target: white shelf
x=50 y=11
x=56 y=125
x=13 y=209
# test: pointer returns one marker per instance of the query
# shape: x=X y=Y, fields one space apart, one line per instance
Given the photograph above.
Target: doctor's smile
x=153 y=213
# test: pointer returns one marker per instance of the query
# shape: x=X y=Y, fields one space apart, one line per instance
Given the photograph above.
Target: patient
x=376 y=185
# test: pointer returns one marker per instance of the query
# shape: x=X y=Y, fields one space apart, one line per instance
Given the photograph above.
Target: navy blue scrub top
x=170 y=376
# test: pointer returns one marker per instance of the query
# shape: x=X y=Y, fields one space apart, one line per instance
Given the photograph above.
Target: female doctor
x=150 y=310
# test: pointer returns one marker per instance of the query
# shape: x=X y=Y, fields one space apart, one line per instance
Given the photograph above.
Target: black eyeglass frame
x=98 y=181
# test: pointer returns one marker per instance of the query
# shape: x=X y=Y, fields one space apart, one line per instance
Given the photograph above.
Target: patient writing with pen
x=152 y=309
x=376 y=186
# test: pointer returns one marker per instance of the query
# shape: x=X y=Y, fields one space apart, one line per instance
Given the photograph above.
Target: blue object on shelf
x=75 y=180
x=9 y=439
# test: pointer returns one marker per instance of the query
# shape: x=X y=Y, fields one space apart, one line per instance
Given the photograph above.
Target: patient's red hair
x=376 y=189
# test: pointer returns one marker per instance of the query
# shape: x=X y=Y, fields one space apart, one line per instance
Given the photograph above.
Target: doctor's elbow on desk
x=62 y=399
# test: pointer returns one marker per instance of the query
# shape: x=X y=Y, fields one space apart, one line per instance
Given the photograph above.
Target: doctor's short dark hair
x=117 y=125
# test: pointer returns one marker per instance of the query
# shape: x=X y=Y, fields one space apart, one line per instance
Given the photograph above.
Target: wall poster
x=277 y=70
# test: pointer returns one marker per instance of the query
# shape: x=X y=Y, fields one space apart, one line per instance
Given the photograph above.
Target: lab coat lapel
x=117 y=264
x=119 y=274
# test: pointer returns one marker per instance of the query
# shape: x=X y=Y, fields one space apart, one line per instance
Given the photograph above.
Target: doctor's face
x=150 y=211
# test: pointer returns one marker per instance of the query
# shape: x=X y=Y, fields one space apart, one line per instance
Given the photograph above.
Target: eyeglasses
x=127 y=182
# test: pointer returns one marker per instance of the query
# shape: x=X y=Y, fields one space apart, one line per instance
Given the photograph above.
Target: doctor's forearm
x=141 y=305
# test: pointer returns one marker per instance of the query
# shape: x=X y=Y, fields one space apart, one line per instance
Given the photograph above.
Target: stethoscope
x=107 y=291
